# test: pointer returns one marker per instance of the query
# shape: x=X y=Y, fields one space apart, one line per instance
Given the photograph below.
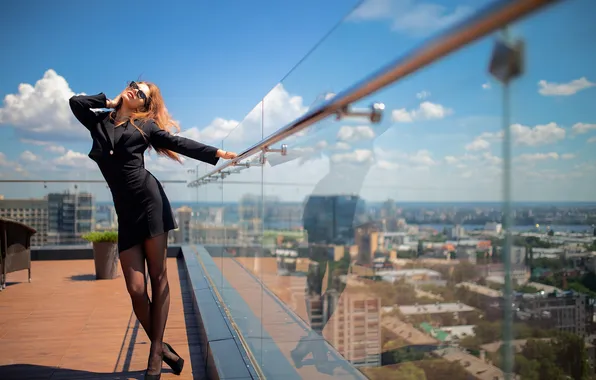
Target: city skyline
x=430 y=146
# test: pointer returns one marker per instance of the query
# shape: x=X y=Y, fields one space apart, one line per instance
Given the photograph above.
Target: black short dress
x=141 y=204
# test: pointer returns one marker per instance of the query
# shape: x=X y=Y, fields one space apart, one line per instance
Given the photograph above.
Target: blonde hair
x=155 y=110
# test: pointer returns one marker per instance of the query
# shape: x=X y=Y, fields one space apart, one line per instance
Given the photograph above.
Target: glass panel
x=552 y=124
x=385 y=248
x=241 y=199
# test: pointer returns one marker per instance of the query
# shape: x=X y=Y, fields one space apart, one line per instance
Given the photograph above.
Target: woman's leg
x=155 y=252
x=133 y=267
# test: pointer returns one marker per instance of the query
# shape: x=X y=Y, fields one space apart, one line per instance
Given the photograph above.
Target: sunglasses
x=139 y=92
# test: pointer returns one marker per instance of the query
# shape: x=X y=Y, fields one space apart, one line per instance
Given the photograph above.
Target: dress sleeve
x=81 y=107
x=159 y=138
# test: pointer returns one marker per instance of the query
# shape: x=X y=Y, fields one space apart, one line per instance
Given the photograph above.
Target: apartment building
x=182 y=235
x=32 y=212
x=568 y=311
x=353 y=326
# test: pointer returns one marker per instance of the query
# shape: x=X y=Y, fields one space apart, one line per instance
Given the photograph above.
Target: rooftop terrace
x=66 y=325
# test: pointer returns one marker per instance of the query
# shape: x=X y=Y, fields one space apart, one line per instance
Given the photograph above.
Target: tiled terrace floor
x=67 y=325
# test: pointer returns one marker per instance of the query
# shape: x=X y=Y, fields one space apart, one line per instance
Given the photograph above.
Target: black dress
x=141 y=204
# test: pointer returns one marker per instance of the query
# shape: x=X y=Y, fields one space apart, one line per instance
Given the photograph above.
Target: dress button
x=111 y=152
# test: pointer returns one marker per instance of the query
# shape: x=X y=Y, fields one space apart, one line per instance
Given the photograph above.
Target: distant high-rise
x=70 y=215
x=330 y=219
x=183 y=234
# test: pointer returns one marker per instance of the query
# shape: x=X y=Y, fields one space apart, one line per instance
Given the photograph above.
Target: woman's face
x=135 y=95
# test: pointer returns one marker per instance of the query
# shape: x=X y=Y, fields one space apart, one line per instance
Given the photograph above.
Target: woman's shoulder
x=146 y=123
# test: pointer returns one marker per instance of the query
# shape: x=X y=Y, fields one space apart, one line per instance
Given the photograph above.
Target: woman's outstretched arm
x=159 y=138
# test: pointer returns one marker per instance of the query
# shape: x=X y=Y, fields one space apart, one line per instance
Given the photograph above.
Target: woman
x=120 y=137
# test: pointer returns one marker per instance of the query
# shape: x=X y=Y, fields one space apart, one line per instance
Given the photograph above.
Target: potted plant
x=105 y=253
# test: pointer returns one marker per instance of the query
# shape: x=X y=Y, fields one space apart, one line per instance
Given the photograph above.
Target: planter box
x=106 y=260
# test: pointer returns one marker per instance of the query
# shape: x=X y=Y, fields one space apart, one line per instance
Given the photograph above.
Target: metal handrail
x=492 y=18
x=73 y=181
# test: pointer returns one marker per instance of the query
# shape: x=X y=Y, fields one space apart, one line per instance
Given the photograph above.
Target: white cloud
x=356 y=133
x=426 y=111
x=278 y=109
x=564 y=89
x=48 y=146
x=401 y=116
x=486 y=86
x=568 y=156
x=421 y=158
x=412 y=17
x=538 y=135
x=592 y=140
x=340 y=145
x=57 y=149
x=522 y=135
x=491 y=159
x=356 y=157
x=423 y=94
x=451 y=159
x=581 y=128
x=215 y=132
x=478 y=144
x=387 y=165
x=41 y=111
x=28 y=156
x=531 y=157
x=72 y=159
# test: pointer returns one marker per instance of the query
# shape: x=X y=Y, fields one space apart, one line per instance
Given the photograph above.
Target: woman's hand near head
x=226 y=155
x=113 y=103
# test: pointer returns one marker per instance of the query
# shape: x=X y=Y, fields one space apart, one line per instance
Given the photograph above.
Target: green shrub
x=102 y=237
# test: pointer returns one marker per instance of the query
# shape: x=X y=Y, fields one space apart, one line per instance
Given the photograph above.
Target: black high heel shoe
x=175 y=365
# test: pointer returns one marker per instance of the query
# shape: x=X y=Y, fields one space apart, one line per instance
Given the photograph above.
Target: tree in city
x=442 y=369
x=570 y=350
x=409 y=371
x=385 y=291
x=463 y=272
x=406 y=371
x=420 y=251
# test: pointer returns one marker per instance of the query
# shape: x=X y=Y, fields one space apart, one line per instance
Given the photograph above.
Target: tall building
x=331 y=219
x=250 y=214
x=70 y=215
x=353 y=326
x=32 y=212
x=184 y=217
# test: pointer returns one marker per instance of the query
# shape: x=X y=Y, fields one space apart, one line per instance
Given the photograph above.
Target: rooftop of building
x=434 y=308
x=480 y=289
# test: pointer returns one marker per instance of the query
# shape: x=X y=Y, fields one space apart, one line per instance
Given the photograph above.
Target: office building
x=70 y=215
x=331 y=219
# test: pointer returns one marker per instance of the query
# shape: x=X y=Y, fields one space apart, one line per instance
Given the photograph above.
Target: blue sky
x=439 y=140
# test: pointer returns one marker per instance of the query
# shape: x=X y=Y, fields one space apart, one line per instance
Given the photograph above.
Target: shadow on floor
x=83 y=277
x=33 y=372
x=14 y=283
